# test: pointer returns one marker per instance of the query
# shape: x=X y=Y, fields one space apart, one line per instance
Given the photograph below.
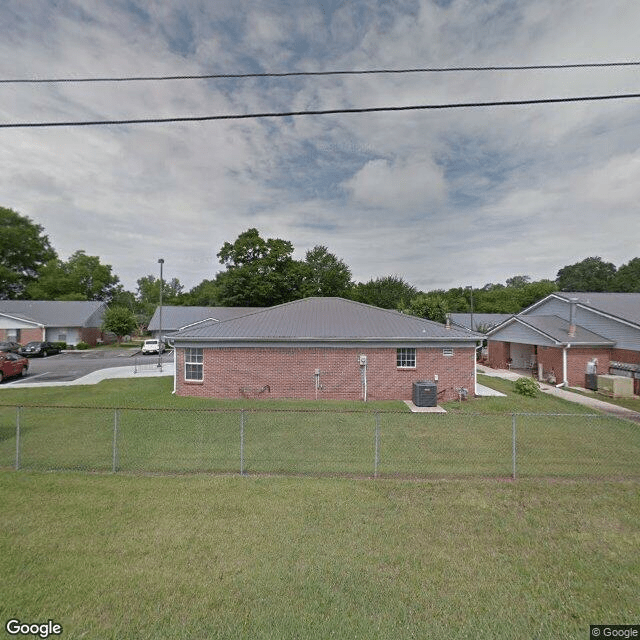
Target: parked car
x=39 y=349
x=9 y=346
x=12 y=364
x=152 y=346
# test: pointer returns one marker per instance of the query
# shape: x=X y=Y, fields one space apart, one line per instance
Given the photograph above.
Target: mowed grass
x=152 y=557
x=139 y=426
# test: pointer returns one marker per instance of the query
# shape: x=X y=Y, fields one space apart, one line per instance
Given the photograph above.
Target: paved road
x=71 y=365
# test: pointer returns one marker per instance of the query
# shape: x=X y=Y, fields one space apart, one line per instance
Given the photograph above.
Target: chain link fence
x=358 y=443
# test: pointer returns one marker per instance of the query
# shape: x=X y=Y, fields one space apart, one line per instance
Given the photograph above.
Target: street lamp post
x=160 y=262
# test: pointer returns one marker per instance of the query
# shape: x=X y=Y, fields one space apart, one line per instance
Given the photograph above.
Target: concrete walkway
x=593 y=403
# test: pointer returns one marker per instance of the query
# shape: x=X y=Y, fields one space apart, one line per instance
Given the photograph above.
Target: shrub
x=527 y=387
x=82 y=345
x=60 y=344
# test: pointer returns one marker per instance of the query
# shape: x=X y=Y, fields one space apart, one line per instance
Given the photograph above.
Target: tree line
x=261 y=272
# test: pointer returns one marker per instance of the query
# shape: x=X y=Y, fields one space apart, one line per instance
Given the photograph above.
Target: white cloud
x=439 y=197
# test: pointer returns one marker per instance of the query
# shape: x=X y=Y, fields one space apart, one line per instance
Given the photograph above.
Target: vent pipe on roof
x=448 y=321
x=572 y=317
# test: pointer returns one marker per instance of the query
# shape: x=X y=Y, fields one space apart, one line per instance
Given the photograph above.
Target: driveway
x=91 y=366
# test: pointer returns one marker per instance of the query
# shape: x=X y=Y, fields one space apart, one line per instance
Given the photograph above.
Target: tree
x=326 y=274
x=591 y=274
x=119 y=320
x=390 y=292
x=432 y=306
x=24 y=249
x=82 y=277
x=259 y=272
x=205 y=294
x=627 y=278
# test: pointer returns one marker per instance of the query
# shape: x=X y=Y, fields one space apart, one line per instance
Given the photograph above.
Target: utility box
x=425 y=393
x=591 y=381
x=616 y=386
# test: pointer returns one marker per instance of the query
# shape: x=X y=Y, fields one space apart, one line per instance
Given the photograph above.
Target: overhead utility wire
x=216 y=76
x=319 y=112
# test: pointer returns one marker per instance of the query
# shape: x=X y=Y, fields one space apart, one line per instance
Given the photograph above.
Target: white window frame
x=406 y=357
x=193 y=362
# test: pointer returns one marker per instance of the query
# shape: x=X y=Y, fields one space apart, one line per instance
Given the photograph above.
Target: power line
x=219 y=76
x=318 y=112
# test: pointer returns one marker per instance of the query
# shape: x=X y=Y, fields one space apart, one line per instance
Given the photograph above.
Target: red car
x=11 y=364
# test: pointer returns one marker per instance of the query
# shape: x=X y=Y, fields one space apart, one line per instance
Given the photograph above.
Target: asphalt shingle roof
x=558 y=329
x=325 y=319
x=625 y=306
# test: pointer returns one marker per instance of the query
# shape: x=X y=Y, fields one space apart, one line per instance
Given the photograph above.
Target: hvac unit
x=425 y=393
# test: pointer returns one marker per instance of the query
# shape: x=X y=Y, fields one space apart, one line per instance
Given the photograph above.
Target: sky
x=440 y=198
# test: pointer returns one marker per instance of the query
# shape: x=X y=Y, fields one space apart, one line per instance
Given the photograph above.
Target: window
x=193 y=369
x=406 y=358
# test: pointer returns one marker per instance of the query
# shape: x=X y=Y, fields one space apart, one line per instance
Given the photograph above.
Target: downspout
x=175 y=370
x=565 y=376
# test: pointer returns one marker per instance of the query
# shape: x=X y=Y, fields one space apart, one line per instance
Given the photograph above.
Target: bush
x=82 y=345
x=527 y=387
x=61 y=345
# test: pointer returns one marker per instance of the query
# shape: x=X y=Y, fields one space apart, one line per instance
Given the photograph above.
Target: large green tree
x=432 y=306
x=325 y=274
x=390 y=292
x=24 y=249
x=590 y=274
x=627 y=278
x=82 y=277
x=259 y=272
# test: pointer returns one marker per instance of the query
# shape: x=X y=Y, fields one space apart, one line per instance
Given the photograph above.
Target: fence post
x=513 y=444
x=116 y=420
x=377 y=446
x=18 y=413
x=242 y=442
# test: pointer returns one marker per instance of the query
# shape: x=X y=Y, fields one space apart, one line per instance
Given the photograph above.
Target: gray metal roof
x=558 y=329
x=484 y=321
x=51 y=313
x=175 y=318
x=325 y=319
x=625 y=306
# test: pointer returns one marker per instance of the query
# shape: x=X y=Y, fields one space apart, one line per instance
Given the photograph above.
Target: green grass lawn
x=74 y=428
x=201 y=557
x=197 y=556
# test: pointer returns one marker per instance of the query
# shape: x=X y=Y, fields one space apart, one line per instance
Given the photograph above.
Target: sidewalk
x=587 y=401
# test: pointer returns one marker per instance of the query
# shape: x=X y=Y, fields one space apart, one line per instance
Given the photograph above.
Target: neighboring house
x=480 y=322
x=565 y=332
x=176 y=318
x=71 y=322
x=328 y=348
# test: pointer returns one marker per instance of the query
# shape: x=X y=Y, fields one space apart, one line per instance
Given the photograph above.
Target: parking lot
x=72 y=365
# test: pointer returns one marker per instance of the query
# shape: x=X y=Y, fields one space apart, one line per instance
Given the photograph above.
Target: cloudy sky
x=442 y=198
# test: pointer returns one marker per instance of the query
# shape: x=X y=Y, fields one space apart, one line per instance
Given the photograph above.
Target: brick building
x=564 y=332
x=72 y=322
x=327 y=348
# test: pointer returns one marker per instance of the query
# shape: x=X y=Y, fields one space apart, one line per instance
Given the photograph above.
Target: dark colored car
x=39 y=349
x=11 y=364
x=8 y=345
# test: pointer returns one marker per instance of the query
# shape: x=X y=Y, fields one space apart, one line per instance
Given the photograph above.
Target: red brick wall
x=497 y=354
x=26 y=335
x=625 y=355
x=577 y=359
x=289 y=373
